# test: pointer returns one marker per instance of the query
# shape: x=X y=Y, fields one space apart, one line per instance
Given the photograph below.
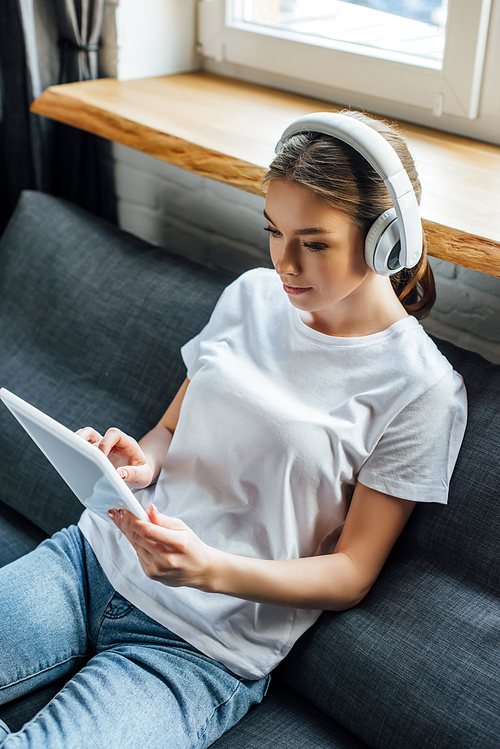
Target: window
x=411 y=31
x=422 y=55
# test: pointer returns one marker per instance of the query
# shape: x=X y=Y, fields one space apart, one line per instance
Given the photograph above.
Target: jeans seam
x=42 y=671
x=202 y=734
x=98 y=627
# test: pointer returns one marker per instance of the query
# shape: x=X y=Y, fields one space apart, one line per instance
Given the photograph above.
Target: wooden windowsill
x=226 y=130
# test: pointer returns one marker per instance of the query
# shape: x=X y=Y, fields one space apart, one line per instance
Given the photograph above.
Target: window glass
x=410 y=31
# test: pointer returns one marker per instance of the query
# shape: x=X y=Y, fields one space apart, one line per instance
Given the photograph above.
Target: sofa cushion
x=417 y=663
x=286 y=721
x=18 y=536
x=18 y=712
x=465 y=535
x=92 y=321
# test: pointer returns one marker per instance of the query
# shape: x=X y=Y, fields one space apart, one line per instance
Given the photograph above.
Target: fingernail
x=111 y=514
x=122 y=473
x=120 y=514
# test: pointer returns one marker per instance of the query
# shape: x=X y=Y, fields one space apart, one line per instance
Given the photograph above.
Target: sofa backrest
x=416 y=663
x=91 y=323
x=465 y=535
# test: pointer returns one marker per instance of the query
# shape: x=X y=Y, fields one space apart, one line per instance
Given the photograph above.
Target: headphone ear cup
x=383 y=245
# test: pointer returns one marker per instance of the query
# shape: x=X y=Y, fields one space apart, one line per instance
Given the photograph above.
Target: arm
x=139 y=463
x=172 y=554
x=155 y=443
x=334 y=581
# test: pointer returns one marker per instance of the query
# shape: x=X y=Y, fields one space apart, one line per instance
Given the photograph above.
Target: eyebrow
x=303 y=232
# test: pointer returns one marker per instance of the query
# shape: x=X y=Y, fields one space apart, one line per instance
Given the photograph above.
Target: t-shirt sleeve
x=190 y=352
x=415 y=457
x=224 y=309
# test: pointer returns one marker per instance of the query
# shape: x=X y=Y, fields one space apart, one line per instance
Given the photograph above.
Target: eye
x=315 y=247
x=272 y=232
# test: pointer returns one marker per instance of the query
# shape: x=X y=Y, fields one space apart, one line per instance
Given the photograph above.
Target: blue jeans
x=134 y=683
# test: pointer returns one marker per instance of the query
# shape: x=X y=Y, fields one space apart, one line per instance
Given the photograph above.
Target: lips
x=295 y=290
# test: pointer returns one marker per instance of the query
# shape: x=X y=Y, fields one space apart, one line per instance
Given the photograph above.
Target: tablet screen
x=83 y=467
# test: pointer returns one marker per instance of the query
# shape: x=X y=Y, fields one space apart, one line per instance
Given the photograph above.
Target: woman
x=315 y=414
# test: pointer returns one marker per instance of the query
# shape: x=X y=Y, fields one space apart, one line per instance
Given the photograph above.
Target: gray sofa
x=91 y=323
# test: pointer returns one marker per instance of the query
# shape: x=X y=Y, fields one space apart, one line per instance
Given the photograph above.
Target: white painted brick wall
x=205 y=220
x=221 y=226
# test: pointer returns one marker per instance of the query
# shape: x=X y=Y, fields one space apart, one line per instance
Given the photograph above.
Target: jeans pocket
x=117 y=607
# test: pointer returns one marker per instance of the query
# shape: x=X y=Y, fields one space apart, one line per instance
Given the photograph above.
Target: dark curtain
x=79 y=23
x=42 y=43
x=16 y=156
x=79 y=158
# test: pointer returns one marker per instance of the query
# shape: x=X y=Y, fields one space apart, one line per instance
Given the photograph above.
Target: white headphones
x=394 y=241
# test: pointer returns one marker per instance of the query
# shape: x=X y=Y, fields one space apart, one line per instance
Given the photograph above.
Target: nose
x=285 y=259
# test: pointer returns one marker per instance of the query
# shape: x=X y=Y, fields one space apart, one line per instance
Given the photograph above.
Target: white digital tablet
x=86 y=470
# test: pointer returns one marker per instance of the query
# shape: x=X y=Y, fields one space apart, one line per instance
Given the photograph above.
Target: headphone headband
x=386 y=162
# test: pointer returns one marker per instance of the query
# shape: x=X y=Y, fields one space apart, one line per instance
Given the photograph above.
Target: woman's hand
x=124 y=453
x=168 y=550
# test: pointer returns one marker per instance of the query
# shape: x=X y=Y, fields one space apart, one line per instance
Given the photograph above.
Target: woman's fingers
x=151 y=535
x=124 y=453
x=118 y=441
x=121 y=449
x=89 y=435
x=170 y=553
x=174 y=524
x=139 y=476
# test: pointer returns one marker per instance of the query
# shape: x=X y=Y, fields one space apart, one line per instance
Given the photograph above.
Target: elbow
x=350 y=600
x=349 y=582
x=345 y=605
x=353 y=602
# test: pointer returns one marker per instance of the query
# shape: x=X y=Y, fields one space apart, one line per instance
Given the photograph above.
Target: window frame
x=457 y=91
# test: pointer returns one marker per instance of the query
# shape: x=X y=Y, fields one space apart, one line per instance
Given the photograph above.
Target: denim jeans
x=133 y=683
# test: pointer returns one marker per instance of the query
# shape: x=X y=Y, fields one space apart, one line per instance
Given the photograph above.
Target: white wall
x=155 y=37
x=467 y=310
x=207 y=221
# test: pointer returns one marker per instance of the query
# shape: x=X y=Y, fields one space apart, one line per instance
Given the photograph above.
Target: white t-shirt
x=277 y=424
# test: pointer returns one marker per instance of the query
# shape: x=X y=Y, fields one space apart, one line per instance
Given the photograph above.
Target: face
x=317 y=251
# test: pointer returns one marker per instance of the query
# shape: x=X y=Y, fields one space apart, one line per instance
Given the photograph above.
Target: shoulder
x=418 y=358
x=254 y=292
x=445 y=396
x=255 y=288
x=403 y=365
x=437 y=389
x=256 y=281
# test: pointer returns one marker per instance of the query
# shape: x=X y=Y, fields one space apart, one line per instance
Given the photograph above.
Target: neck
x=371 y=308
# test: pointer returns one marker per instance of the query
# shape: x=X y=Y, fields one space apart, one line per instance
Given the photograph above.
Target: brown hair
x=338 y=173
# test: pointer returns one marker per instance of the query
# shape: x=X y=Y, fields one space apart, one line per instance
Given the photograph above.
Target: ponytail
x=415 y=287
